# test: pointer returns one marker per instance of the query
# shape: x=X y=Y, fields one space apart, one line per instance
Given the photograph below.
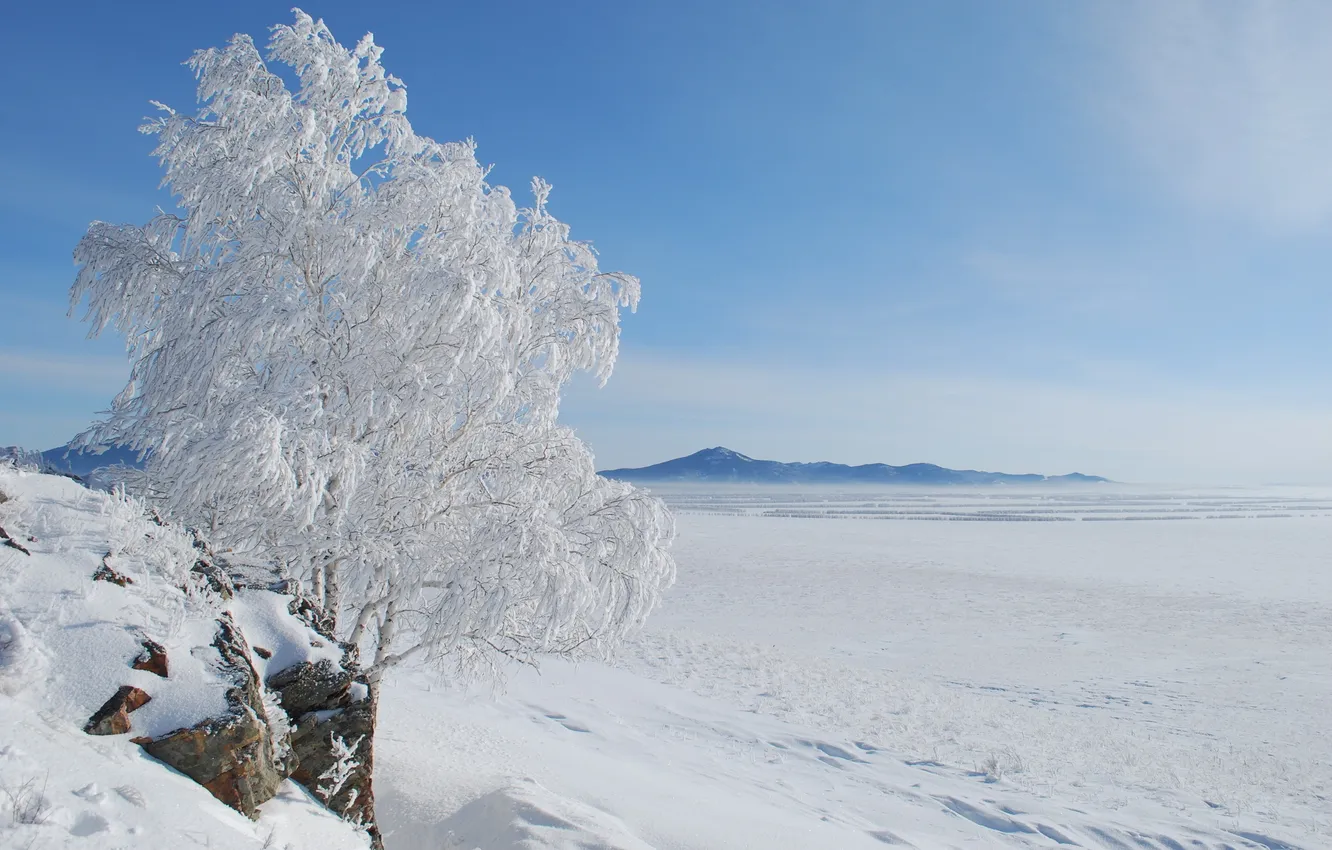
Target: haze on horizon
x=1028 y=238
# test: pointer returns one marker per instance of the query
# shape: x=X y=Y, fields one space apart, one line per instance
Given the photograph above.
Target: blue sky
x=1027 y=236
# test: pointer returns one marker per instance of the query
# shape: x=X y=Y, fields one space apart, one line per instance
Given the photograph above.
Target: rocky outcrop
x=305 y=609
x=233 y=755
x=307 y=687
x=113 y=718
x=332 y=736
x=153 y=658
x=322 y=736
x=332 y=716
x=208 y=573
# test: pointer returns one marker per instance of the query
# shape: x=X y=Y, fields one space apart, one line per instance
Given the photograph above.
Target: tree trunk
x=317 y=585
x=332 y=595
x=376 y=839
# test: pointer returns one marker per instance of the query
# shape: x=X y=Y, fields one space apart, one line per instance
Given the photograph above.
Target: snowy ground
x=952 y=670
x=66 y=644
x=1122 y=678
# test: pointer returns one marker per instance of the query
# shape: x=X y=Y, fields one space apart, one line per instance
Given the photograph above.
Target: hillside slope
x=67 y=643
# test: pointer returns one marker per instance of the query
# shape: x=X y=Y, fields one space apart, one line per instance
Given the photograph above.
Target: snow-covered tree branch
x=348 y=351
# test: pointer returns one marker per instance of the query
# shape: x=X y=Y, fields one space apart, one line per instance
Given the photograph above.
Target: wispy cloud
x=64 y=371
x=1227 y=101
x=1061 y=283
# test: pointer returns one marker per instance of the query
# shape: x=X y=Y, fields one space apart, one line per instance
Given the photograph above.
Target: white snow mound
x=527 y=816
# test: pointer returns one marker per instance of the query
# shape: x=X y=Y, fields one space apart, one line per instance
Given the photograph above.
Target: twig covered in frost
x=279 y=725
x=341 y=770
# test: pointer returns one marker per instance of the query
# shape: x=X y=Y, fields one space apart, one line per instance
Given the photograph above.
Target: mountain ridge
x=720 y=464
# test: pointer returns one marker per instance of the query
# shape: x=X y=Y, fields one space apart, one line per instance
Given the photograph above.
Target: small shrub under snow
x=26 y=801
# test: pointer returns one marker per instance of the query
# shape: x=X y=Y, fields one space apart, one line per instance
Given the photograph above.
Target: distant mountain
x=725 y=466
x=78 y=462
x=81 y=462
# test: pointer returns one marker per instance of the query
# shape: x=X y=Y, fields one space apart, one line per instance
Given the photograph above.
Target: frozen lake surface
x=1196 y=651
x=1109 y=668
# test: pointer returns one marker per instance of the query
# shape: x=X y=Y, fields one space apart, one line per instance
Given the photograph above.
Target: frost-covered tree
x=347 y=353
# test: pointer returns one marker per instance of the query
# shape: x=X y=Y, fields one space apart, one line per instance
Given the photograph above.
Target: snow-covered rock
x=235 y=755
x=176 y=650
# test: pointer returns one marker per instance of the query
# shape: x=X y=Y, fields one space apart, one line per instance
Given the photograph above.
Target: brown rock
x=263 y=653
x=227 y=755
x=307 y=687
x=324 y=707
x=212 y=579
x=231 y=755
x=312 y=742
x=113 y=717
x=106 y=573
x=153 y=658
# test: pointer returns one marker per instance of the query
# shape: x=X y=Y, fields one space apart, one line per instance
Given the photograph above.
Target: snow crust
x=66 y=645
x=818 y=683
x=525 y=815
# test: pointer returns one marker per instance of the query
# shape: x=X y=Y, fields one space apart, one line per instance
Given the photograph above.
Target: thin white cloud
x=49 y=370
x=1227 y=101
x=655 y=408
x=39 y=429
x=1062 y=283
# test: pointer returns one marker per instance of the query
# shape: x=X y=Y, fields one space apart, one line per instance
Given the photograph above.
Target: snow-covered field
x=960 y=676
x=1155 y=671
